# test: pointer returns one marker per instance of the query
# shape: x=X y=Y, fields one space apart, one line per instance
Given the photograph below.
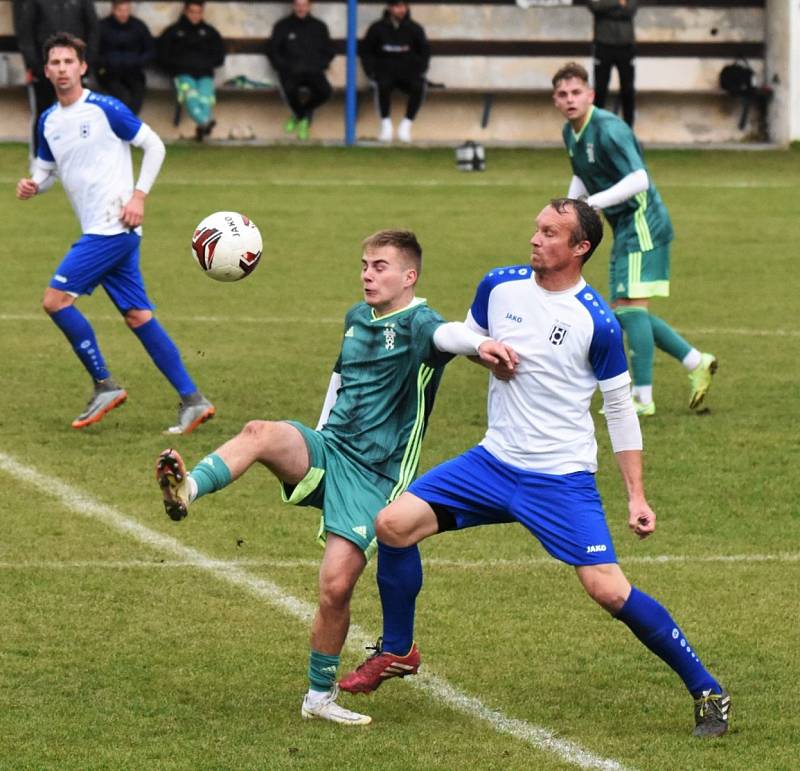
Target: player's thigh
x=640 y=275
x=406 y=521
x=348 y=496
x=124 y=283
x=89 y=260
x=565 y=514
x=469 y=490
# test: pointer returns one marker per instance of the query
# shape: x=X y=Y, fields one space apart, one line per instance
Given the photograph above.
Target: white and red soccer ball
x=227 y=246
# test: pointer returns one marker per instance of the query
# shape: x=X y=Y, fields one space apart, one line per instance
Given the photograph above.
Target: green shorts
x=638 y=275
x=349 y=499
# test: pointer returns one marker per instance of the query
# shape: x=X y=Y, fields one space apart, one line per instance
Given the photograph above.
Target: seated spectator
x=189 y=50
x=300 y=51
x=125 y=48
x=395 y=55
x=34 y=22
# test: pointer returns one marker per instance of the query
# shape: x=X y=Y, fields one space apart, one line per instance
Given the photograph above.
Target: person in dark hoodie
x=395 y=55
x=300 y=50
x=614 y=46
x=125 y=48
x=189 y=50
x=35 y=21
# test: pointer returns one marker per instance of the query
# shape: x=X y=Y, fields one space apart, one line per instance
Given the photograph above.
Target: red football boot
x=379 y=667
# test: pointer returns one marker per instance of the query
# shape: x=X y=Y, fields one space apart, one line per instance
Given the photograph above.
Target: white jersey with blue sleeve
x=569 y=343
x=88 y=144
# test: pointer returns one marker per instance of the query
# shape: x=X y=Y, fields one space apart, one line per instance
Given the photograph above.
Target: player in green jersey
x=365 y=449
x=609 y=172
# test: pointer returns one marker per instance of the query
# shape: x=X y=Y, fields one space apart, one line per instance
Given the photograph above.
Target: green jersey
x=390 y=371
x=603 y=152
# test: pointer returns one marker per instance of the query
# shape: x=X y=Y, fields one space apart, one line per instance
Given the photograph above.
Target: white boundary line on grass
x=439 y=562
x=733 y=332
x=83 y=504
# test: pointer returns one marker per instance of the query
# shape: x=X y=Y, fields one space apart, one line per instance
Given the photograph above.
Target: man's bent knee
x=54 y=300
x=137 y=317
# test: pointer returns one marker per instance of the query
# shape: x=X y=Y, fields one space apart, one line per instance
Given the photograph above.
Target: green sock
x=668 y=340
x=322 y=671
x=211 y=474
x=641 y=345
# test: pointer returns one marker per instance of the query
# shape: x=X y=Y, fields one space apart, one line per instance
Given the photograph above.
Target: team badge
x=389 y=336
x=557 y=334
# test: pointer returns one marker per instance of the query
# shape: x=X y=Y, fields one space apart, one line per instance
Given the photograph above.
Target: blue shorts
x=564 y=512
x=110 y=261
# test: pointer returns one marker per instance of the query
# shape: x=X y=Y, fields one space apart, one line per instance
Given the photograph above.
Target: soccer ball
x=227 y=246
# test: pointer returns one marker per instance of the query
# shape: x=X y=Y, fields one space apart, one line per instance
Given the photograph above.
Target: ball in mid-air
x=227 y=246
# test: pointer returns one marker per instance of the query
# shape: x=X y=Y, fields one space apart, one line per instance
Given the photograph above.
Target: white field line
x=463 y=182
x=436 y=687
x=712 y=331
x=436 y=562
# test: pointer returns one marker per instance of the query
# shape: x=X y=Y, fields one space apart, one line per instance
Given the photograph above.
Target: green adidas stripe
x=410 y=462
x=640 y=222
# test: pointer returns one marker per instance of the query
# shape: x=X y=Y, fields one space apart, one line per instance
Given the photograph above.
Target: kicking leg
x=278 y=446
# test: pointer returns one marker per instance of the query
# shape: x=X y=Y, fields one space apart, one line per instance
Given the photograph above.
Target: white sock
x=316 y=697
x=643 y=394
x=692 y=359
x=192 y=485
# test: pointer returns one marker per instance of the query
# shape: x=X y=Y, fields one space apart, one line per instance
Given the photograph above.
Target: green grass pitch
x=122 y=651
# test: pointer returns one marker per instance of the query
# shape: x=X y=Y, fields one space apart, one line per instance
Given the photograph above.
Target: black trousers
x=621 y=57
x=414 y=86
x=129 y=88
x=305 y=91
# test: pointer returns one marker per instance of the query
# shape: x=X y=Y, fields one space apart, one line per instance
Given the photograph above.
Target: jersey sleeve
x=621 y=150
x=423 y=324
x=120 y=117
x=43 y=153
x=606 y=351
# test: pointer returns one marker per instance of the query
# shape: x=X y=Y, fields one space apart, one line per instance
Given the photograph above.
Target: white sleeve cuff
x=629 y=186
x=456 y=337
x=623 y=424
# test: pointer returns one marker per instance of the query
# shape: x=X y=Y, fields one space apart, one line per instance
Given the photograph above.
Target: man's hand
x=132 y=213
x=500 y=358
x=641 y=518
x=26 y=188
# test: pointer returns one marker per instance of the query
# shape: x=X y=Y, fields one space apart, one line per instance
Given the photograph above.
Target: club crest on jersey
x=558 y=333
x=389 y=336
x=84 y=129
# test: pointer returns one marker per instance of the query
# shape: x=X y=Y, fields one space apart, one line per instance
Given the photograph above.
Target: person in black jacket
x=614 y=46
x=300 y=51
x=125 y=48
x=395 y=55
x=35 y=21
x=189 y=50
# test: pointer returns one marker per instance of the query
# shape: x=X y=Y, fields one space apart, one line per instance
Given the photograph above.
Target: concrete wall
x=679 y=99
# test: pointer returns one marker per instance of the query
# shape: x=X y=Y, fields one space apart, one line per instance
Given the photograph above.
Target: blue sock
x=322 y=671
x=653 y=625
x=165 y=356
x=81 y=337
x=399 y=583
x=211 y=474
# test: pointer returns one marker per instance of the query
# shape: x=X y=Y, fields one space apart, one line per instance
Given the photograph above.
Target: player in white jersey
x=536 y=463
x=84 y=140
